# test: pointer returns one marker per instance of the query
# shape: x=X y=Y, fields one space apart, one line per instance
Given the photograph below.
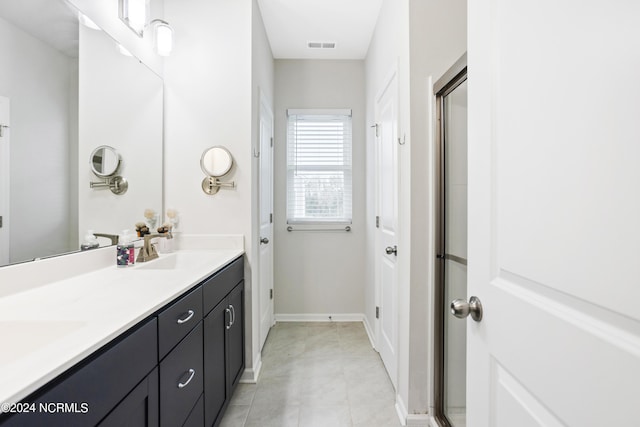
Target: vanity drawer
x=175 y=322
x=181 y=379
x=220 y=284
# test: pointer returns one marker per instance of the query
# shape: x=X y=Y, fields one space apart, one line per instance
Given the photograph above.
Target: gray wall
x=420 y=40
x=319 y=272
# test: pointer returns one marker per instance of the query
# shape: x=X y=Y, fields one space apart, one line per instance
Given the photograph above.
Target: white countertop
x=47 y=328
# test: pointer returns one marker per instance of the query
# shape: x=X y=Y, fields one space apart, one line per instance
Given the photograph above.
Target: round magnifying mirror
x=216 y=161
x=105 y=161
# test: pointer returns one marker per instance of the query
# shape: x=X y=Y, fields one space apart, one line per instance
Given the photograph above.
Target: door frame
x=391 y=78
x=450 y=80
x=5 y=176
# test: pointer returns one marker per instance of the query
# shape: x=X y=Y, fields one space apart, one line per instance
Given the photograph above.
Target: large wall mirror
x=67 y=88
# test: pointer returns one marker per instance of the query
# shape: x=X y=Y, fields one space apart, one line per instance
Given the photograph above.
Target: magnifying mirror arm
x=117 y=184
x=101 y=184
x=219 y=183
x=211 y=185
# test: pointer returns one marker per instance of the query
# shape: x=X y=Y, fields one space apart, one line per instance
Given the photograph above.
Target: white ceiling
x=52 y=22
x=291 y=24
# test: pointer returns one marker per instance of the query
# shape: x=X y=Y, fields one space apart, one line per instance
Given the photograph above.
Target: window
x=319 y=166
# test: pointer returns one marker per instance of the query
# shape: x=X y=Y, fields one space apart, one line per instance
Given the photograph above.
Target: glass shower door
x=451 y=348
x=455 y=249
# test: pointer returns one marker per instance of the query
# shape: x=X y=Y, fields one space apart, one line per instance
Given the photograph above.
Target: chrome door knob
x=392 y=250
x=461 y=309
x=264 y=241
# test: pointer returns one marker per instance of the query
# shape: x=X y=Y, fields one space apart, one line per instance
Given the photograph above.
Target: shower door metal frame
x=454 y=77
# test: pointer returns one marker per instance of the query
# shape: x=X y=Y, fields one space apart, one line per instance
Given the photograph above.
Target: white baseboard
x=411 y=420
x=370 y=332
x=433 y=422
x=320 y=317
x=401 y=410
x=419 y=420
x=250 y=375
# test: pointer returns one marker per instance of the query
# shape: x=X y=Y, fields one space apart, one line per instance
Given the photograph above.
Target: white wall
x=319 y=272
x=120 y=106
x=208 y=93
x=435 y=38
x=438 y=35
x=38 y=80
x=389 y=52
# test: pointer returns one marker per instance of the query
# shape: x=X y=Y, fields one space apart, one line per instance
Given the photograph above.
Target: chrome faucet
x=113 y=237
x=148 y=250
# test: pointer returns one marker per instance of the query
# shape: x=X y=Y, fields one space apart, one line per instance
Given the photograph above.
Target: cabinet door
x=139 y=408
x=215 y=390
x=235 y=338
x=196 y=417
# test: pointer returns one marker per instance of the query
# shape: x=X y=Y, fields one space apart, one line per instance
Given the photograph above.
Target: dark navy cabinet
x=181 y=378
x=100 y=383
x=177 y=368
x=180 y=343
x=139 y=408
x=223 y=340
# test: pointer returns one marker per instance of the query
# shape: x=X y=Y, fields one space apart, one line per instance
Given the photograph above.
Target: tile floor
x=316 y=374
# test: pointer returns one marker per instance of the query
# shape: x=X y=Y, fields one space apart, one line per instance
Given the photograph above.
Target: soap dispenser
x=90 y=241
x=125 y=251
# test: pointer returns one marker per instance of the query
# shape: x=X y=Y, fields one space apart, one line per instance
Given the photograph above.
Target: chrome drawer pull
x=190 y=314
x=233 y=315
x=230 y=323
x=192 y=372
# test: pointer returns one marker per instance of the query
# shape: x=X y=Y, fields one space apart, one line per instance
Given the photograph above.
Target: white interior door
x=387 y=227
x=266 y=220
x=4 y=180
x=554 y=147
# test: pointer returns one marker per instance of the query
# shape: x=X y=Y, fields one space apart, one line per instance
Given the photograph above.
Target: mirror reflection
x=216 y=161
x=65 y=89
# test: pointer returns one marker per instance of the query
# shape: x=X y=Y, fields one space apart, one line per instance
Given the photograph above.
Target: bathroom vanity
x=158 y=344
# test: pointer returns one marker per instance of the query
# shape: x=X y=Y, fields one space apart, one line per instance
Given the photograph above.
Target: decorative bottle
x=125 y=251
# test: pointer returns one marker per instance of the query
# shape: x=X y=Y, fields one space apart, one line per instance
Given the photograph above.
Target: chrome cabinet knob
x=461 y=309
x=392 y=250
x=264 y=241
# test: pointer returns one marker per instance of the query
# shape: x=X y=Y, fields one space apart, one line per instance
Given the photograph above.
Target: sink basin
x=27 y=336
x=173 y=261
x=185 y=260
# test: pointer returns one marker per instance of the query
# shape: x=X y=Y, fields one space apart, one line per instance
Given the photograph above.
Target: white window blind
x=319 y=166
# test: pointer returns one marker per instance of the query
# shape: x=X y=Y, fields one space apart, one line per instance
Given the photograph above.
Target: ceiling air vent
x=321 y=45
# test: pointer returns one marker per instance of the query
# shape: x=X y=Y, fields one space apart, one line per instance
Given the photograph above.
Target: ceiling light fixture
x=134 y=13
x=123 y=50
x=163 y=35
x=84 y=20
